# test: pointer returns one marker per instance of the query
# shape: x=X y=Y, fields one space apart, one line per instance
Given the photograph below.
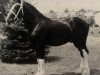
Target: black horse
x=46 y=32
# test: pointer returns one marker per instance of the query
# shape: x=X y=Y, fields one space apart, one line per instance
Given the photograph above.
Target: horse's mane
x=34 y=10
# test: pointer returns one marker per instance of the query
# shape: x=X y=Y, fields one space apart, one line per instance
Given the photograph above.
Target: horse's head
x=15 y=12
x=24 y=10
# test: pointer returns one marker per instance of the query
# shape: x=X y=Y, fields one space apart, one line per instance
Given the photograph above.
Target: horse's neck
x=31 y=21
x=32 y=14
x=33 y=10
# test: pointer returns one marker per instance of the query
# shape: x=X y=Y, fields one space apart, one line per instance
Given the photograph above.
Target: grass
x=62 y=60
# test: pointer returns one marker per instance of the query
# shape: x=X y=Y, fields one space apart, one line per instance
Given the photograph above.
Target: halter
x=11 y=11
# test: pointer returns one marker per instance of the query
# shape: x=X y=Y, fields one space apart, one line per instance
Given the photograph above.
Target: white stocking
x=81 y=67
x=41 y=67
x=86 y=66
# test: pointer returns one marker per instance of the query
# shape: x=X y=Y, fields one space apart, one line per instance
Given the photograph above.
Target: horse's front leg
x=40 y=59
x=41 y=67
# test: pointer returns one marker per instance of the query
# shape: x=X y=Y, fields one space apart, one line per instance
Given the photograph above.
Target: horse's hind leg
x=84 y=67
x=81 y=67
x=86 y=70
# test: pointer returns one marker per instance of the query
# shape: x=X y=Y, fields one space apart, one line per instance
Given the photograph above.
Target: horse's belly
x=58 y=39
x=58 y=34
x=57 y=43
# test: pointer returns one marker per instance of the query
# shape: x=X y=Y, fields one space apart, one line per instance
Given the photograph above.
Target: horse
x=47 y=32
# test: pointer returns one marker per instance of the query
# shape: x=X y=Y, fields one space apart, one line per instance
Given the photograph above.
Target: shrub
x=17 y=47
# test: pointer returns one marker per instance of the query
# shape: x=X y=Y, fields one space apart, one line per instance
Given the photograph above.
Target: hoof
x=79 y=71
x=86 y=72
x=40 y=73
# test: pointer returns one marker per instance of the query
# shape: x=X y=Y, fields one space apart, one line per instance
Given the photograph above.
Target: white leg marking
x=41 y=67
x=81 y=67
x=86 y=66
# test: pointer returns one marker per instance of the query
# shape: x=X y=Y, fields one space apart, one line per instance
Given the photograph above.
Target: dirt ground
x=62 y=60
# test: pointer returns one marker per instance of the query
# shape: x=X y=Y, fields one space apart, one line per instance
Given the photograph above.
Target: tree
x=17 y=47
x=82 y=10
x=66 y=11
x=52 y=14
x=3 y=3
